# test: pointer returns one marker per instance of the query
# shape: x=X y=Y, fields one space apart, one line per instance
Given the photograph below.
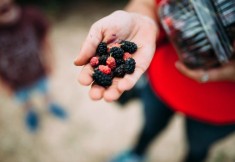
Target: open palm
x=120 y=25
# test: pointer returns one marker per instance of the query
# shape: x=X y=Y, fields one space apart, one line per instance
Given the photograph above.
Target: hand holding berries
x=119 y=25
x=107 y=66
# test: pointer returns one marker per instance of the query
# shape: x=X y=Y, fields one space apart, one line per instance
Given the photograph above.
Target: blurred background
x=93 y=131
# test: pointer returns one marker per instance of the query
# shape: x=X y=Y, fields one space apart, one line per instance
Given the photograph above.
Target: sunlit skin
x=127 y=26
x=138 y=24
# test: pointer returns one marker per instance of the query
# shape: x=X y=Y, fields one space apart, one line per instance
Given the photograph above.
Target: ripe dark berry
x=126 y=56
x=104 y=69
x=102 y=49
x=102 y=59
x=94 y=61
x=119 y=71
x=120 y=62
x=111 y=62
x=130 y=66
x=102 y=79
x=128 y=46
x=116 y=52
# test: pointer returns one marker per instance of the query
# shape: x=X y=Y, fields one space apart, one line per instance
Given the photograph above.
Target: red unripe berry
x=168 y=21
x=113 y=45
x=126 y=56
x=94 y=61
x=104 y=69
x=111 y=62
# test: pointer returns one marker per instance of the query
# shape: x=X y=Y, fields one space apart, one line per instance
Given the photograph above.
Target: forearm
x=144 y=7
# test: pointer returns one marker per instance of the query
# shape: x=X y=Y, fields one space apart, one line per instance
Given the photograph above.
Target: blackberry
x=103 y=59
x=120 y=62
x=128 y=46
x=102 y=49
x=117 y=52
x=102 y=79
x=130 y=66
x=119 y=71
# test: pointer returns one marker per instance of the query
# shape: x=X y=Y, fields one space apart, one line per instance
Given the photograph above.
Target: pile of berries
x=114 y=60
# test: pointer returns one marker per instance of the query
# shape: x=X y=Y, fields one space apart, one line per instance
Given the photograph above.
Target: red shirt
x=210 y=102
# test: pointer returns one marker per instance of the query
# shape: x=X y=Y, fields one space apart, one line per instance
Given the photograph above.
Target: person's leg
x=31 y=118
x=201 y=136
x=156 y=117
x=134 y=93
x=54 y=108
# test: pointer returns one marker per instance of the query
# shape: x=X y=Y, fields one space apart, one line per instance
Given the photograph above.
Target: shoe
x=128 y=157
x=32 y=120
x=57 y=111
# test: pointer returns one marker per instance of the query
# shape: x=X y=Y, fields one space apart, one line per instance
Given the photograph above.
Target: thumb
x=89 y=46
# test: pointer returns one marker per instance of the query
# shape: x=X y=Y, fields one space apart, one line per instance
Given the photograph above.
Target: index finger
x=89 y=46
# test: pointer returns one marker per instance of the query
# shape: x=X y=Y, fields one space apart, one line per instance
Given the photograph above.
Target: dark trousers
x=200 y=135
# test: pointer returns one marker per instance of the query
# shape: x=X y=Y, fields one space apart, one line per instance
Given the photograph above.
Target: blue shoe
x=57 y=111
x=32 y=121
x=128 y=157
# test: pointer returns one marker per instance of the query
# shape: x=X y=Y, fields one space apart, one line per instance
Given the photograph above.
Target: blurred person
x=25 y=58
x=204 y=97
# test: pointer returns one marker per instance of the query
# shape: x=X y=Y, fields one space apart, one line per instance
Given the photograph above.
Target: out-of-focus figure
x=25 y=58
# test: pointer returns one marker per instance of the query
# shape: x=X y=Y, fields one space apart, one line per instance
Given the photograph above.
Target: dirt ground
x=95 y=131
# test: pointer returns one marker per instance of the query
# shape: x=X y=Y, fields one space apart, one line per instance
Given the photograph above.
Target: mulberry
x=117 y=52
x=104 y=69
x=128 y=46
x=102 y=49
x=94 y=61
x=119 y=62
x=102 y=79
x=119 y=71
x=126 y=55
x=130 y=66
x=103 y=59
x=111 y=62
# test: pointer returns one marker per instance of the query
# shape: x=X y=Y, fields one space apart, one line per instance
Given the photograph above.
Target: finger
x=143 y=58
x=221 y=74
x=85 y=77
x=88 y=49
x=129 y=81
x=96 y=92
x=193 y=74
x=113 y=93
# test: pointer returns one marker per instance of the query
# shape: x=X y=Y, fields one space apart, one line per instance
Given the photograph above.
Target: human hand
x=224 y=73
x=120 y=25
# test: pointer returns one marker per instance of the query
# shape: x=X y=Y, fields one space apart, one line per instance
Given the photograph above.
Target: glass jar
x=202 y=31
